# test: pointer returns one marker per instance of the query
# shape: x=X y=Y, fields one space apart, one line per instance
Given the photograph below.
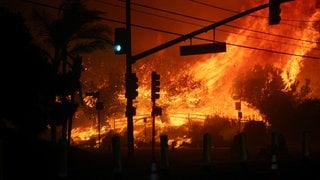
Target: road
x=188 y=163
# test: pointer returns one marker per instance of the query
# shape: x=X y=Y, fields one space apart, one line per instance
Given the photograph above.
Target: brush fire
x=197 y=95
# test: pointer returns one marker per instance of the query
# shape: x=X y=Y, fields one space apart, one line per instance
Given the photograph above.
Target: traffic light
x=155 y=86
x=130 y=111
x=274 y=12
x=120 y=41
x=131 y=85
x=156 y=111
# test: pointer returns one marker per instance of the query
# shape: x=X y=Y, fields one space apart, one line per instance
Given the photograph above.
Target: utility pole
x=129 y=63
x=99 y=107
x=122 y=45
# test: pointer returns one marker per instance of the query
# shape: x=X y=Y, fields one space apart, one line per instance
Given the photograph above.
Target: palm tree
x=76 y=30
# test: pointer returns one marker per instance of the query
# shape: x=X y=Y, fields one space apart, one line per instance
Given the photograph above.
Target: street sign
x=215 y=47
x=238 y=106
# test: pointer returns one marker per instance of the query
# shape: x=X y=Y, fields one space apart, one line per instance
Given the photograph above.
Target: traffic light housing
x=155 y=86
x=131 y=86
x=274 y=12
x=120 y=41
x=130 y=111
x=156 y=111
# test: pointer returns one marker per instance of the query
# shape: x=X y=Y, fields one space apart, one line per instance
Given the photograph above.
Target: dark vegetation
x=37 y=83
x=288 y=110
x=26 y=84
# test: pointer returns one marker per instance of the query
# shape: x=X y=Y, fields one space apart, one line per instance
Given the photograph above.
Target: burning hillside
x=191 y=92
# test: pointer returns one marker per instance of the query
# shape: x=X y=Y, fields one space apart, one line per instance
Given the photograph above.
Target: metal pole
x=116 y=152
x=128 y=74
x=99 y=107
x=99 y=128
x=145 y=128
x=153 y=132
x=164 y=152
x=207 y=150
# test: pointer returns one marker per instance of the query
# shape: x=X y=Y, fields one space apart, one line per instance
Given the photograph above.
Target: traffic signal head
x=120 y=41
x=156 y=111
x=131 y=86
x=130 y=111
x=155 y=86
x=274 y=12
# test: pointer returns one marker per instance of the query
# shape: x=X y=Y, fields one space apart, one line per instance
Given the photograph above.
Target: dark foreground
x=188 y=163
x=184 y=164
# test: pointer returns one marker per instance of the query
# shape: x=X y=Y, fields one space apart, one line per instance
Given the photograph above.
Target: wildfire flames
x=203 y=88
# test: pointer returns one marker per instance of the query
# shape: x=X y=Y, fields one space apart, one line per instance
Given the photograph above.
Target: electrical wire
x=222 y=30
x=229 y=10
x=226 y=31
x=168 y=32
x=208 y=21
x=257 y=16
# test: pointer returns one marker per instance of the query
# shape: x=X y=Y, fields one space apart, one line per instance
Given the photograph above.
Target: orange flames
x=203 y=88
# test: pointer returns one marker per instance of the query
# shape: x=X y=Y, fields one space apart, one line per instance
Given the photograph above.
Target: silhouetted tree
x=264 y=89
x=76 y=30
x=26 y=79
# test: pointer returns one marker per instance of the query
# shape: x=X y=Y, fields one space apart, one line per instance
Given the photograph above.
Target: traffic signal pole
x=132 y=59
x=129 y=63
x=199 y=31
x=155 y=90
x=153 y=132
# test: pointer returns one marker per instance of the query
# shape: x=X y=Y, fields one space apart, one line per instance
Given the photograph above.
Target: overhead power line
x=229 y=10
x=272 y=51
x=178 y=34
x=209 y=21
x=220 y=29
x=148 y=13
x=210 y=40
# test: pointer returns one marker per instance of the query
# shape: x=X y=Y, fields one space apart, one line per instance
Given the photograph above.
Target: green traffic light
x=117 y=48
x=120 y=41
